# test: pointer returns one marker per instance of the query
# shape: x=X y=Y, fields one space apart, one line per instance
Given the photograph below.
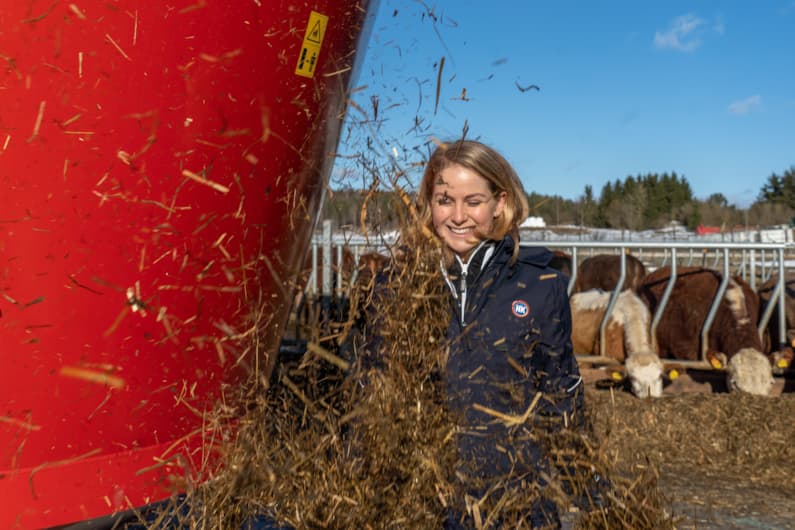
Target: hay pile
x=289 y=457
x=728 y=434
x=351 y=439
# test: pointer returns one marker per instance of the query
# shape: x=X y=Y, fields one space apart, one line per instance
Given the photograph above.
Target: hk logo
x=520 y=308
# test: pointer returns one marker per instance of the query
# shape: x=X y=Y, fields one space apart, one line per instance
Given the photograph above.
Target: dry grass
x=345 y=439
x=371 y=444
x=748 y=436
x=319 y=451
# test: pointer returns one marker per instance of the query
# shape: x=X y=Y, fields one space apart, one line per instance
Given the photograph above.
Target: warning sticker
x=313 y=40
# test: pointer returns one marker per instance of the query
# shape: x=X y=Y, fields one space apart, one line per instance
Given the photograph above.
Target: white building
x=533 y=222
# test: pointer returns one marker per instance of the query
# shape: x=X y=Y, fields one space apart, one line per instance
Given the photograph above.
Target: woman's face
x=464 y=208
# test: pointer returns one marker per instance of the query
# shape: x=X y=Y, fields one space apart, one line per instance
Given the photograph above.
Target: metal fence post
x=327 y=259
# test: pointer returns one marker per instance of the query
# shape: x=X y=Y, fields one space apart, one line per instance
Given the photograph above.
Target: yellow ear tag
x=617 y=376
x=715 y=363
x=673 y=374
x=782 y=363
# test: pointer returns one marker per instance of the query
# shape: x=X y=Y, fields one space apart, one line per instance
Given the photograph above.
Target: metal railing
x=326 y=245
x=745 y=263
x=751 y=261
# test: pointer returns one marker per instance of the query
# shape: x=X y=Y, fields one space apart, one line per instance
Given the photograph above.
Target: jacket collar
x=538 y=256
x=478 y=260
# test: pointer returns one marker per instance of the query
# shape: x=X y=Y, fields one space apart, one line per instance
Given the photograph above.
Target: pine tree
x=780 y=189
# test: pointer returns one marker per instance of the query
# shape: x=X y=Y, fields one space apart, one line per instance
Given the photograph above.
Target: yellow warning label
x=313 y=40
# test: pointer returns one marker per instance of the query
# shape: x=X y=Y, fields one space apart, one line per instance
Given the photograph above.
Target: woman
x=511 y=376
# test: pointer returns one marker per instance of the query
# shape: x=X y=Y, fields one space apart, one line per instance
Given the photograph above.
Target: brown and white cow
x=627 y=336
x=733 y=337
x=603 y=271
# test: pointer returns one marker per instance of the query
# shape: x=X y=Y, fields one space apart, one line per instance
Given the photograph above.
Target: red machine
x=161 y=168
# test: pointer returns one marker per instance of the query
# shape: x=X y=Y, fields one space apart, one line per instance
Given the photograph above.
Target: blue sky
x=704 y=89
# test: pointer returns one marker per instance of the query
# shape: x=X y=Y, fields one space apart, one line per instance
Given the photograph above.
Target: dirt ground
x=725 y=461
x=726 y=501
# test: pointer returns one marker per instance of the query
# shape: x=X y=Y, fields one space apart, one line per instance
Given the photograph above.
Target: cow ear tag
x=520 y=308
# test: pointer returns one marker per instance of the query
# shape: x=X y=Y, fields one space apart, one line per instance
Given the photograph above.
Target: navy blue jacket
x=510 y=345
x=513 y=337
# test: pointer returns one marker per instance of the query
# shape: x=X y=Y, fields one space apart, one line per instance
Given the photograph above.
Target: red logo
x=520 y=308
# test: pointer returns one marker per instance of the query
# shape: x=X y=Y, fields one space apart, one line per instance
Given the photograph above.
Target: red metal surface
x=160 y=172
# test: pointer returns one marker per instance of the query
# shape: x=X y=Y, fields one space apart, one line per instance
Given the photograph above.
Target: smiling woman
x=469 y=192
x=464 y=208
x=509 y=335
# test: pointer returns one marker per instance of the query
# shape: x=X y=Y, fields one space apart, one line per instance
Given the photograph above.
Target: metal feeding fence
x=753 y=261
x=330 y=250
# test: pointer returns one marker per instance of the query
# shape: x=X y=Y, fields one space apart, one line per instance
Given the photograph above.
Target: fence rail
x=755 y=262
x=751 y=261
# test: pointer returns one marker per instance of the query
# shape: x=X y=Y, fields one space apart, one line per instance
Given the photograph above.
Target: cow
x=603 y=271
x=733 y=339
x=627 y=336
x=561 y=261
x=782 y=354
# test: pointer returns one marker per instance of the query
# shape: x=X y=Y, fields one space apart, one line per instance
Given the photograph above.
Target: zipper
x=459 y=296
x=464 y=267
x=464 y=272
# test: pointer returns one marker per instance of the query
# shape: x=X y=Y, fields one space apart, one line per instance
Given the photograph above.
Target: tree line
x=640 y=202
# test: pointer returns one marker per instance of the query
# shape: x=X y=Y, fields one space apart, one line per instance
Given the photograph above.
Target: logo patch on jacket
x=520 y=308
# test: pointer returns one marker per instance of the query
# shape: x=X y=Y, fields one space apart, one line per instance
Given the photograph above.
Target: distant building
x=533 y=222
x=706 y=229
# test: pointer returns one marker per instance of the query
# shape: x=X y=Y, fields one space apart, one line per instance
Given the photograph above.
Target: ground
x=713 y=501
x=725 y=461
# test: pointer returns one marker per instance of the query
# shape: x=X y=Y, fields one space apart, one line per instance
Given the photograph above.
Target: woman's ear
x=501 y=198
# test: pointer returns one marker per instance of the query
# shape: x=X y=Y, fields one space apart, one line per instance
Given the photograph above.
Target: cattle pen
x=754 y=262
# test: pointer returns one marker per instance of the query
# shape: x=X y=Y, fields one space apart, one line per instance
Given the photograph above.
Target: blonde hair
x=489 y=164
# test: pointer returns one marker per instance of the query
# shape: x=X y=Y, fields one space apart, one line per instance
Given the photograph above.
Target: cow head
x=645 y=374
x=749 y=371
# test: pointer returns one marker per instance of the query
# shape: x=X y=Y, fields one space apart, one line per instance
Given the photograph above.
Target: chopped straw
x=93 y=376
x=37 y=124
x=76 y=10
x=201 y=180
x=116 y=45
x=339 y=439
